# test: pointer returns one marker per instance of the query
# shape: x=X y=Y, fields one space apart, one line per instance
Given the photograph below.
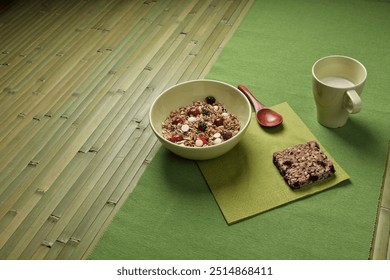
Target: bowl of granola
x=200 y=119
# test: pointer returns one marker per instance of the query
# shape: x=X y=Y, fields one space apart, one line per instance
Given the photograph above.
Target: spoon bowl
x=265 y=116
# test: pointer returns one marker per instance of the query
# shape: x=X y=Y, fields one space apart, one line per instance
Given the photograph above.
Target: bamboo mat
x=76 y=82
x=381 y=241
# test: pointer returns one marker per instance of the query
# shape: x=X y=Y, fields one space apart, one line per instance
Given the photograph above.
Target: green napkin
x=245 y=181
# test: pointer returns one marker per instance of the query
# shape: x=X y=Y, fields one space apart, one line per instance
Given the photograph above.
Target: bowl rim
x=242 y=128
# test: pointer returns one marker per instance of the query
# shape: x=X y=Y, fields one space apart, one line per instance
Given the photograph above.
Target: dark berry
x=205 y=112
x=218 y=121
x=202 y=126
x=210 y=99
x=226 y=135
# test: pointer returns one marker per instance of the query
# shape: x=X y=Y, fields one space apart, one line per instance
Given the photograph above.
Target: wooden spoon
x=265 y=116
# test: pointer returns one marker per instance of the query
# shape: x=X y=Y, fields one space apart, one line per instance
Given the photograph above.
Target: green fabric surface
x=172 y=214
x=245 y=182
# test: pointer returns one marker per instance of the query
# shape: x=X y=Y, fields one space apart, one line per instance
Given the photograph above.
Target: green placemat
x=172 y=214
x=245 y=181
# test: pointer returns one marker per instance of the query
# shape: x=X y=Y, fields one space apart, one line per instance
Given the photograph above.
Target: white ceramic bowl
x=187 y=92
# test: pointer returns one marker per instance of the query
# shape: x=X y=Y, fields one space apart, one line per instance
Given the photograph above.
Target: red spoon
x=265 y=116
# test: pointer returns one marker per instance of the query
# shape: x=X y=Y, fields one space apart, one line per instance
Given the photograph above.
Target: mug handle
x=352 y=101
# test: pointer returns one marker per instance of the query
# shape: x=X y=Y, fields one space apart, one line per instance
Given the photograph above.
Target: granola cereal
x=202 y=123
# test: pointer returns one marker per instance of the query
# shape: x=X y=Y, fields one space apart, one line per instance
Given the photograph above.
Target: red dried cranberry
x=176 y=138
x=177 y=120
x=218 y=121
x=226 y=135
x=194 y=111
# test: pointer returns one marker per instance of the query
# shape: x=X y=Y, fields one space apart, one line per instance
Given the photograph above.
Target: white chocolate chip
x=199 y=143
x=217 y=135
x=185 y=127
x=191 y=119
x=217 y=141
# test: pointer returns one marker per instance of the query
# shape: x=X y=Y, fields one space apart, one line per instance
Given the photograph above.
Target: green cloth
x=245 y=182
x=172 y=214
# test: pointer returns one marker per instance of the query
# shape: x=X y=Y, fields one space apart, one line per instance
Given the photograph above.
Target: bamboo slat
x=381 y=241
x=43 y=44
x=42 y=21
x=36 y=97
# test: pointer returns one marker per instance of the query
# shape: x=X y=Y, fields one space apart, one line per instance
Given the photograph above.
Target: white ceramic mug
x=337 y=85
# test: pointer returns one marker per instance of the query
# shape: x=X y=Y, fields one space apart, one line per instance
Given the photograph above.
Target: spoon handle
x=256 y=103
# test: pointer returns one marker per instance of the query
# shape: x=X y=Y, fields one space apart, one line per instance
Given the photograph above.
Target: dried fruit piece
x=194 y=111
x=176 y=138
x=226 y=135
x=177 y=120
x=205 y=112
x=202 y=126
x=218 y=121
x=210 y=99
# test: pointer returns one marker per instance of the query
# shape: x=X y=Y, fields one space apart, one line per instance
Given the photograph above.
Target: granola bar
x=303 y=164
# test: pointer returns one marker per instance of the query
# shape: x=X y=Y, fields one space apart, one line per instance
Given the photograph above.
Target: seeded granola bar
x=303 y=164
